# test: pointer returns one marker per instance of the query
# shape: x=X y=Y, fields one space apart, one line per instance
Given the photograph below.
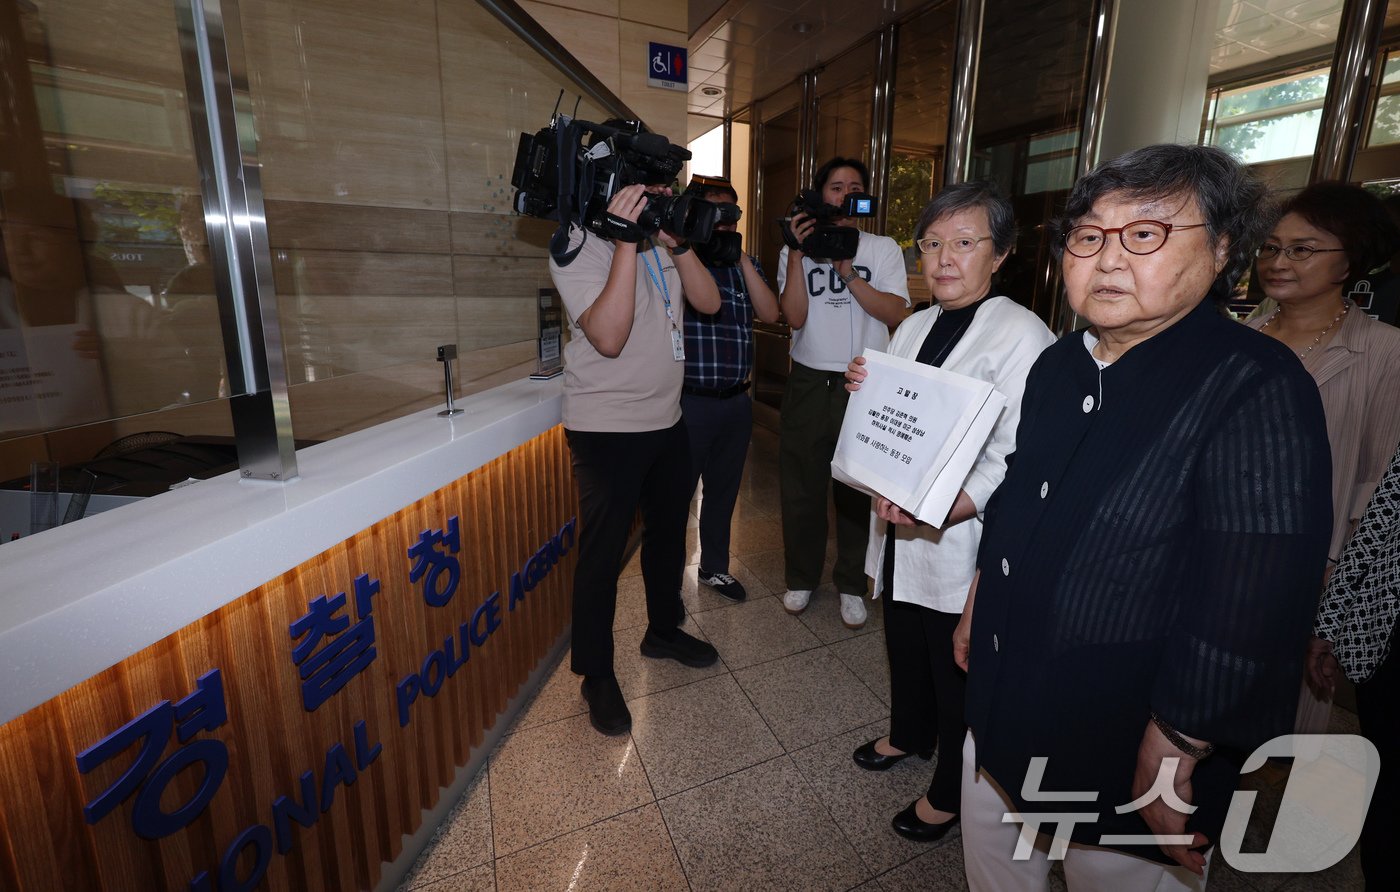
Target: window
x=1385 y=125
x=1270 y=121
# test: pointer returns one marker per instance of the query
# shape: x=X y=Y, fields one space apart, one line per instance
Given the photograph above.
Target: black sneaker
x=606 y=710
x=724 y=584
x=677 y=645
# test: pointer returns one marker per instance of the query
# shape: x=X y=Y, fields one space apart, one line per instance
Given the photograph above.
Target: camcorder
x=827 y=241
x=571 y=169
x=724 y=247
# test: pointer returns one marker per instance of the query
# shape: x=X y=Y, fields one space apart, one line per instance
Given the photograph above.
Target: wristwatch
x=680 y=249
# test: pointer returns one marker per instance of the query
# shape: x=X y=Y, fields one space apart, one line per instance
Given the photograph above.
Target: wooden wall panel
x=507 y=510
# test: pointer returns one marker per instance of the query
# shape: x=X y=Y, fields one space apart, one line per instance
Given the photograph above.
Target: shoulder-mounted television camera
x=571 y=169
x=725 y=245
x=828 y=241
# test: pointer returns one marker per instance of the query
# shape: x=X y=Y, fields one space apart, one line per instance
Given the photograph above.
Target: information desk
x=241 y=685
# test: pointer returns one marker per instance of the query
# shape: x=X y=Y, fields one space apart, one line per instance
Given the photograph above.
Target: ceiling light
x=803 y=27
x=711 y=91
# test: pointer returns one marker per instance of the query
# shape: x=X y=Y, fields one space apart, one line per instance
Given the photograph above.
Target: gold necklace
x=1346 y=307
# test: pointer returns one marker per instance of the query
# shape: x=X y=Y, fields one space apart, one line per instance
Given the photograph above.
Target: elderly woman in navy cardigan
x=1147 y=576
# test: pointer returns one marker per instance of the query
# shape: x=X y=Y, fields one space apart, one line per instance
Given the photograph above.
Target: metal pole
x=1096 y=86
x=807 y=130
x=728 y=137
x=882 y=120
x=226 y=151
x=967 y=53
x=1344 y=109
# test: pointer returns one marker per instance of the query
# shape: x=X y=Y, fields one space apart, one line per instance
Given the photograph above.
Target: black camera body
x=723 y=249
x=828 y=241
x=558 y=177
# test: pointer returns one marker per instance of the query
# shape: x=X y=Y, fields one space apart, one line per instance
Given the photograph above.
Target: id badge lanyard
x=657 y=278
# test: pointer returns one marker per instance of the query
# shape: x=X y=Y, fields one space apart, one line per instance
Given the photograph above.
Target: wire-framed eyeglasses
x=1295 y=253
x=1137 y=237
x=962 y=245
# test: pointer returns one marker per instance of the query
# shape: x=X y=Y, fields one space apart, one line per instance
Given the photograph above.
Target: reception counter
x=240 y=685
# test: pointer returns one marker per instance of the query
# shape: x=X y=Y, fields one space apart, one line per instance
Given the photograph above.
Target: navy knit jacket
x=1158 y=544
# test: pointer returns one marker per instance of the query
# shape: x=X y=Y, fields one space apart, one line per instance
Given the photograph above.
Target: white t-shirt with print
x=837 y=326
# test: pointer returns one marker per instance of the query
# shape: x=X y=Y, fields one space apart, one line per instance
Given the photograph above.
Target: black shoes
x=606 y=710
x=871 y=759
x=724 y=584
x=677 y=645
x=909 y=825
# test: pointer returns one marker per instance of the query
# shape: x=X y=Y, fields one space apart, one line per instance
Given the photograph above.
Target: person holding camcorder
x=718 y=361
x=842 y=290
x=625 y=279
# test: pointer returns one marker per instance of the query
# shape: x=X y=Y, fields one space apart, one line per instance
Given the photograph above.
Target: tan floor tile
x=633 y=567
x=556 y=698
x=767 y=566
x=699 y=598
x=865 y=656
x=638 y=675
x=823 y=616
x=863 y=802
x=939 y=869
x=462 y=841
x=687 y=736
x=632 y=851
x=749 y=535
x=631 y=603
x=550 y=780
x=760 y=829
x=754 y=631
x=750 y=509
x=809 y=697
x=478 y=879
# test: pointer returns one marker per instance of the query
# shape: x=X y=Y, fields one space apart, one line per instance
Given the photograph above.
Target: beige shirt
x=1358 y=377
x=640 y=388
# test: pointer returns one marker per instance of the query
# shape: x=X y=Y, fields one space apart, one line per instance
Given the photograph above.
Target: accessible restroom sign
x=666 y=66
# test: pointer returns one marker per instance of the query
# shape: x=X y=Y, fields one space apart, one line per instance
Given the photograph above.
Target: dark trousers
x=617 y=473
x=927 y=689
x=719 y=442
x=1376 y=700
x=813 y=406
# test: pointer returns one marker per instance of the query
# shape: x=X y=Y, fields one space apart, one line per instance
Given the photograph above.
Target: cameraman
x=718 y=361
x=623 y=371
x=829 y=328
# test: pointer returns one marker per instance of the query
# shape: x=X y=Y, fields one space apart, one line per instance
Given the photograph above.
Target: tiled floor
x=738 y=776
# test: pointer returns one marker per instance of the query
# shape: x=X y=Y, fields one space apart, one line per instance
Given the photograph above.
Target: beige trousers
x=989 y=843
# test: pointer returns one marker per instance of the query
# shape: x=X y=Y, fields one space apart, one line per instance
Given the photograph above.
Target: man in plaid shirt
x=715 y=402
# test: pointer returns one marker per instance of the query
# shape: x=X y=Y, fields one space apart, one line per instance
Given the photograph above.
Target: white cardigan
x=934 y=568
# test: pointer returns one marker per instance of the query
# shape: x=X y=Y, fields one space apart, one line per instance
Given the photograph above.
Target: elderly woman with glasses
x=922 y=574
x=1329 y=237
x=1148 y=571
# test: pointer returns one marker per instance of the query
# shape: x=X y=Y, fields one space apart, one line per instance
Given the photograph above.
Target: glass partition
x=386 y=135
x=387 y=139
x=1030 y=96
x=922 y=83
x=107 y=307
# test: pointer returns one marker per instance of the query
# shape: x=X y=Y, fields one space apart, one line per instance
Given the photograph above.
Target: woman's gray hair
x=1234 y=204
x=1001 y=217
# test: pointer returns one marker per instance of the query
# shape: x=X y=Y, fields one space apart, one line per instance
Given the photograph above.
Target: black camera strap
x=566 y=140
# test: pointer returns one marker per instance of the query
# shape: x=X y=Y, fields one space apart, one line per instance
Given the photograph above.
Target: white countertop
x=84 y=596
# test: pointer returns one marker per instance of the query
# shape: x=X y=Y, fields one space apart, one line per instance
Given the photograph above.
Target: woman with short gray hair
x=1148 y=571
x=923 y=573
